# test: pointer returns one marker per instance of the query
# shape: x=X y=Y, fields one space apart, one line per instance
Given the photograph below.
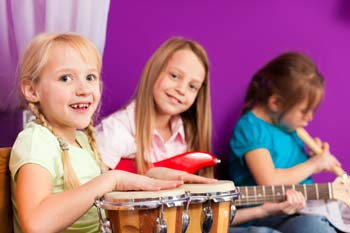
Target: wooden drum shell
x=219 y=196
x=139 y=212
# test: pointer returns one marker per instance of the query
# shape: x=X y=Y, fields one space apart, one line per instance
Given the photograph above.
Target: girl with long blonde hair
x=170 y=113
x=55 y=163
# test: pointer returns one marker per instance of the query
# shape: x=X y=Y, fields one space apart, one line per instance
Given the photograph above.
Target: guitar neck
x=251 y=195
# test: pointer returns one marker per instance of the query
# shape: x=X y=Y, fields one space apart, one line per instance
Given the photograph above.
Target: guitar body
x=190 y=162
x=321 y=199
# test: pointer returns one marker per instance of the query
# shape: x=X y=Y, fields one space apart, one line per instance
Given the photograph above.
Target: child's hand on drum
x=172 y=174
x=129 y=181
x=295 y=201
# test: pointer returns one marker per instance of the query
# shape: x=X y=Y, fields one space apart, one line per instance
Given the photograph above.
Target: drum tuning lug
x=208 y=219
x=105 y=225
x=232 y=214
x=161 y=226
x=185 y=222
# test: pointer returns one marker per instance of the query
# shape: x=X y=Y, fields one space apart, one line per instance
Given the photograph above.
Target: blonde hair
x=197 y=119
x=34 y=60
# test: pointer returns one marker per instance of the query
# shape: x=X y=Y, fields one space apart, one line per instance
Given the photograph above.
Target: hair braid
x=90 y=132
x=70 y=180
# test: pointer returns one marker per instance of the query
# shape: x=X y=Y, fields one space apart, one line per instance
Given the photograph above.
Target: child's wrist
x=262 y=213
x=312 y=166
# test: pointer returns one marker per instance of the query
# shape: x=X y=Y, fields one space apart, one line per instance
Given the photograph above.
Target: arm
x=42 y=211
x=295 y=201
x=261 y=166
x=172 y=174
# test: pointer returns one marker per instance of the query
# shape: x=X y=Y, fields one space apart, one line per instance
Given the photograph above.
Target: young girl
x=55 y=163
x=281 y=97
x=170 y=113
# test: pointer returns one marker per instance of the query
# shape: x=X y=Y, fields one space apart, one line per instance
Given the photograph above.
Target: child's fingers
x=172 y=174
x=130 y=181
x=297 y=199
x=325 y=147
x=318 y=141
x=294 y=202
x=311 y=153
x=155 y=184
x=190 y=178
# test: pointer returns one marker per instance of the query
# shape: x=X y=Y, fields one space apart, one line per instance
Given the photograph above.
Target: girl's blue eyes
x=91 y=77
x=67 y=78
x=193 y=88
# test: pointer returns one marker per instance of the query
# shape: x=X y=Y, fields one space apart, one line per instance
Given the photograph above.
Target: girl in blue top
x=281 y=97
x=55 y=164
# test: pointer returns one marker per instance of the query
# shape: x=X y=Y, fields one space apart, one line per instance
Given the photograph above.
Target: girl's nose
x=83 y=88
x=181 y=88
x=309 y=116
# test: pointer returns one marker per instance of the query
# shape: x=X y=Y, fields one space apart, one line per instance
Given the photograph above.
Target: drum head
x=143 y=195
x=220 y=186
x=144 y=199
x=218 y=192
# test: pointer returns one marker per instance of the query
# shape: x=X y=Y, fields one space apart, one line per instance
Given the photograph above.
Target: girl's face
x=178 y=84
x=298 y=116
x=68 y=90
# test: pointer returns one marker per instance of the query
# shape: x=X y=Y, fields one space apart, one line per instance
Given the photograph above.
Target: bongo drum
x=143 y=212
x=211 y=207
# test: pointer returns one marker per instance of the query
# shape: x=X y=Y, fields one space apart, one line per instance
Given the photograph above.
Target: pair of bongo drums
x=191 y=208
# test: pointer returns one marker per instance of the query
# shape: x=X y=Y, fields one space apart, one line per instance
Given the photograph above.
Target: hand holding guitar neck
x=311 y=144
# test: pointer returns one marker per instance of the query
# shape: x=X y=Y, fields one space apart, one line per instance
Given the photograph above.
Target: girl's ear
x=29 y=91
x=274 y=103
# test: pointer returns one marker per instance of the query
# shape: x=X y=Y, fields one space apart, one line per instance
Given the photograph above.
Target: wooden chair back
x=5 y=191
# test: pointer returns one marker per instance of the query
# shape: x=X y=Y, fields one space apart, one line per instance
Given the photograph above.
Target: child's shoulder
x=250 y=120
x=35 y=131
x=250 y=125
x=35 y=144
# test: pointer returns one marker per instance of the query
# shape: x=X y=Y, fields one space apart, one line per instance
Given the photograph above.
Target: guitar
x=190 y=162
x=338 y=190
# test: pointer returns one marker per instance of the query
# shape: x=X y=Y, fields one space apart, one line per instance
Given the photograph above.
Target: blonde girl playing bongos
x=55 y=163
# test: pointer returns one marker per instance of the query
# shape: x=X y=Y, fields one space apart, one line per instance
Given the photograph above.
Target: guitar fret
x=259 y=194
x=264 y=193
x=278 y=192
x=255 y=197
x=330 y=191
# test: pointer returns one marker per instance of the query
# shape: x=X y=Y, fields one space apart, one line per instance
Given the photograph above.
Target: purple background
x=240 y=37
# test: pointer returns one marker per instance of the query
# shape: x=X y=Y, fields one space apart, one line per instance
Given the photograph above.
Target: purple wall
x=240 y=37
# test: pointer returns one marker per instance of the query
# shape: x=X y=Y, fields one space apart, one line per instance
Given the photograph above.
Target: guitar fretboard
x=250 y=195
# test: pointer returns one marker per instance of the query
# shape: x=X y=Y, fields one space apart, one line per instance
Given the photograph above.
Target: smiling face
x=178 y=84
x=68 y=90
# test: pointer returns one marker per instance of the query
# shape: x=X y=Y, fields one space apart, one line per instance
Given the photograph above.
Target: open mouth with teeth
x=80 y=106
